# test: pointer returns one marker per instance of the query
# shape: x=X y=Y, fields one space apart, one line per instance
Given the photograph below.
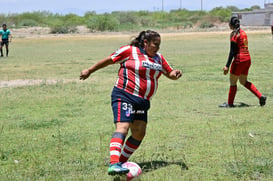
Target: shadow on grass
x=154 y=165
x=238 y=105
x=242 y=105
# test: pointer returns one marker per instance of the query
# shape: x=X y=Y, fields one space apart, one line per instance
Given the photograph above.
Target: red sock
x=231 y=94
x=130 y=146
x=116 y=144
x=253 y=89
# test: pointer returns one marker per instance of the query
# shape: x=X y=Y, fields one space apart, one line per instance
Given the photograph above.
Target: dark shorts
x=238 y=68
x=4 y=42
x=127 y=107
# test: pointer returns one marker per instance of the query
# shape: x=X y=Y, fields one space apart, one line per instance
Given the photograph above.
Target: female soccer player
x=140 y=68
x=241 y=63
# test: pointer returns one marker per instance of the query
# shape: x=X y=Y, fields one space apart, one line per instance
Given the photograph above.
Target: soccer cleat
x=226 y=105
x=116 y=169
x=262 y=101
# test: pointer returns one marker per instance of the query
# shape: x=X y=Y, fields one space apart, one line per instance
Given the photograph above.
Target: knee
x=233 y=82
x=123 y=130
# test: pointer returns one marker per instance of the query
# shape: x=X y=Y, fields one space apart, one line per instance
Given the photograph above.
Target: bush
x=72 y=19
x=255 y=7
x=63 y=29
x=28 y=22
x=103 y=23
x=58 y=24
x=37 y=17
x=206 y=25
x=187 y=24
x=146 y=21
x=89 y=14
x=127 y=17
x=222 y=13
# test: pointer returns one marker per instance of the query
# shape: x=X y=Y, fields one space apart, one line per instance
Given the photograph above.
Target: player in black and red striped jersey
x=140 y=68
x=240 y=61
x=139 y=73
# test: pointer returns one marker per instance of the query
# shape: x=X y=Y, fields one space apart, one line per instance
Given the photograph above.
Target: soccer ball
x=134 y=170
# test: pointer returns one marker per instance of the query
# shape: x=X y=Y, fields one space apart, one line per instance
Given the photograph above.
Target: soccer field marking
x=31 y=82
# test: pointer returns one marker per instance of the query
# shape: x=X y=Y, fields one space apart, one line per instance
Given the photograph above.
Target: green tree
x=103 y=22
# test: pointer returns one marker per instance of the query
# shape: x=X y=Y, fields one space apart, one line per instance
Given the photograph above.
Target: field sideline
x=55 y=127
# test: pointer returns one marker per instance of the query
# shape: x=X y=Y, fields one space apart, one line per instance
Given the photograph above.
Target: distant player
x=140 y=68
x=6 y=39
x=241 y=63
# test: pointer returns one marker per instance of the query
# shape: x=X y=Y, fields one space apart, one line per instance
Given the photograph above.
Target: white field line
x=31 y=82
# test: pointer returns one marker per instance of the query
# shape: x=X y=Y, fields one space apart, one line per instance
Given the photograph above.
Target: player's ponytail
x=139 y=40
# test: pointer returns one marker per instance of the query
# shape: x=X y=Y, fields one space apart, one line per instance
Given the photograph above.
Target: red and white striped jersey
x=139 y=73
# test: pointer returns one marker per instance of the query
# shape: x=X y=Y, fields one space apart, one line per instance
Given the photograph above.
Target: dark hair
x=235 y=23
x=144 y=35
x=4 y=25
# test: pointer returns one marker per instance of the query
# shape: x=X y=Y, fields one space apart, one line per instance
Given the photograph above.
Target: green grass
x=61 y=131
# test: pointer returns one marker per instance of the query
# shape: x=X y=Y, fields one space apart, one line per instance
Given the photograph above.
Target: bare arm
x=10 y=36
x=174 y=74
x=99 y=65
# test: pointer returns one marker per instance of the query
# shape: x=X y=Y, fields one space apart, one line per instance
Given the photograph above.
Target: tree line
x=122 y=20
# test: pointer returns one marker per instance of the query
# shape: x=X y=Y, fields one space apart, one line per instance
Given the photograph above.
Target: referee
x=6 y=39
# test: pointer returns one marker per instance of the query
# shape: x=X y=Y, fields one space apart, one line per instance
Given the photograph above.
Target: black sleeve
x=232 y=53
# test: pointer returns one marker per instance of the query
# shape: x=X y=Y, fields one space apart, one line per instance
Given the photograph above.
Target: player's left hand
x=175 y=74
x=225 y=69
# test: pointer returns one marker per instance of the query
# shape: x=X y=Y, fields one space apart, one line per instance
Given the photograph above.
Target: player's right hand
x=85 y=74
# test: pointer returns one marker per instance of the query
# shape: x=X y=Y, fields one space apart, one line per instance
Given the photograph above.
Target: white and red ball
x=134 y=170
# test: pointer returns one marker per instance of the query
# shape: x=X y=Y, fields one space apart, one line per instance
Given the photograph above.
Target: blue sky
x=101 y=6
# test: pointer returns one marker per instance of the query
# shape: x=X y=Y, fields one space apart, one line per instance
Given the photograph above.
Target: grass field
x=61 y=131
